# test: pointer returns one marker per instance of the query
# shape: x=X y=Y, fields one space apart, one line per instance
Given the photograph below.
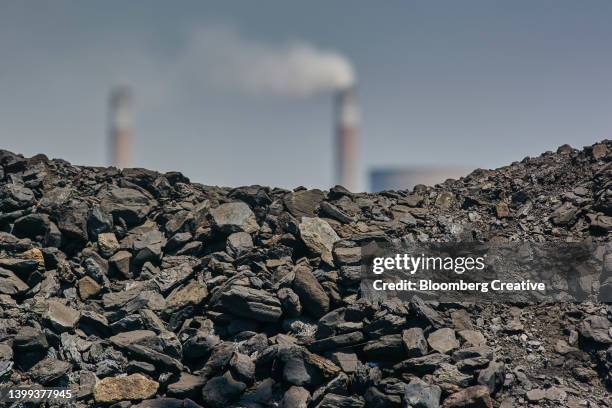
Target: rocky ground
x=135 y=288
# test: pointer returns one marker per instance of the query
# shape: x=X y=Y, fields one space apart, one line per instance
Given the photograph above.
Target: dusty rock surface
x=142 y=289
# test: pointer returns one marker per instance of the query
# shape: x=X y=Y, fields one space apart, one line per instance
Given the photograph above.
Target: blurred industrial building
x=405 y=178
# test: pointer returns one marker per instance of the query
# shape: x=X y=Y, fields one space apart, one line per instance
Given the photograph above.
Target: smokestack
x=347 y=149
x=121 y=133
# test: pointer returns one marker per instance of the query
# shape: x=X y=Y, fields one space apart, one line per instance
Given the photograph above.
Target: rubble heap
x=135 y=288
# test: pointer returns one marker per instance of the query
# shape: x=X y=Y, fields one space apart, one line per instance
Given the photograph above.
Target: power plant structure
x=347 y=119
x=405 y=178
x=120 y=126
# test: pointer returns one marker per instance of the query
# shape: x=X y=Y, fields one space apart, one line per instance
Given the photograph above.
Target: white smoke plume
x=228 y=59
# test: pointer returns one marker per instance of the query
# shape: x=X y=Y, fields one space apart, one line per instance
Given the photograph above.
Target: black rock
x=219 y=392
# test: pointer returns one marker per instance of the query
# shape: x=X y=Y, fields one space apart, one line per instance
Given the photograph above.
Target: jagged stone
x=131 y=387
x=319 y=237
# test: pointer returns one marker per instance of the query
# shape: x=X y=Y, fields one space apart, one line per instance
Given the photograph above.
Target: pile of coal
x=135 y=288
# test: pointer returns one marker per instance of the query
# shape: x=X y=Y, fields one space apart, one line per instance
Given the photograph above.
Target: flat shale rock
x=341 y=401
x=187 y=386
x=476 y=397
x=234 y=217
x=423 y=365
x=60 y=316
x=421 y=394
x=303 y=203
x=251 y=303
x=131 y=387
x=389 y=347
x=48 y=370
x=88 y=287
x=128 y=204
x=10 y=284
x=443 y=340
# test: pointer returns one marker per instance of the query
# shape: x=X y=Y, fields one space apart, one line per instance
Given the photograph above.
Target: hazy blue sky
x=476 y=83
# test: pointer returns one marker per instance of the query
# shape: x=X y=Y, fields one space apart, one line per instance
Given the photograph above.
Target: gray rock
x=129 y=204
x=71 y=220
x=347 y=361
x=476 y=396
x=336 y=342
x=414 y=342
x=177 y=241
x=242 y=368
x=443 y=340
x=425 y=312
x=239 y=243
x=419 y=394
x=376 y=399
x=303 y=203
x=564 y=214
x=234 y=217
x=336 y=213
x=596 y=328
x=169 y=278
x=319 y=237
x=48 y=370
x=120 y=262
x=251 y=303
x=30 y=339
x=450 y=379
x=536 y=394
x=472 y=337
x=98 y=222
x=60 y=316
x=386 y=348
x=14 y=197
x=312 y=296
x=295 y=369
x=493 y=376
x=10 y=284
x=187 y=386
x=222 y=391
x=148 y=247
x=290 y=302
x=295 y=397
x=341 y=401
x=423 y=365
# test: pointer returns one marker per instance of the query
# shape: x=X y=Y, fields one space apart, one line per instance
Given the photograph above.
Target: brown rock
x=107 y=244
x=121 y=263
x=88 y=287
x=502 y=210
x=303 y=203
x=131 y=387
x=312 y=296
x=472 y=397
